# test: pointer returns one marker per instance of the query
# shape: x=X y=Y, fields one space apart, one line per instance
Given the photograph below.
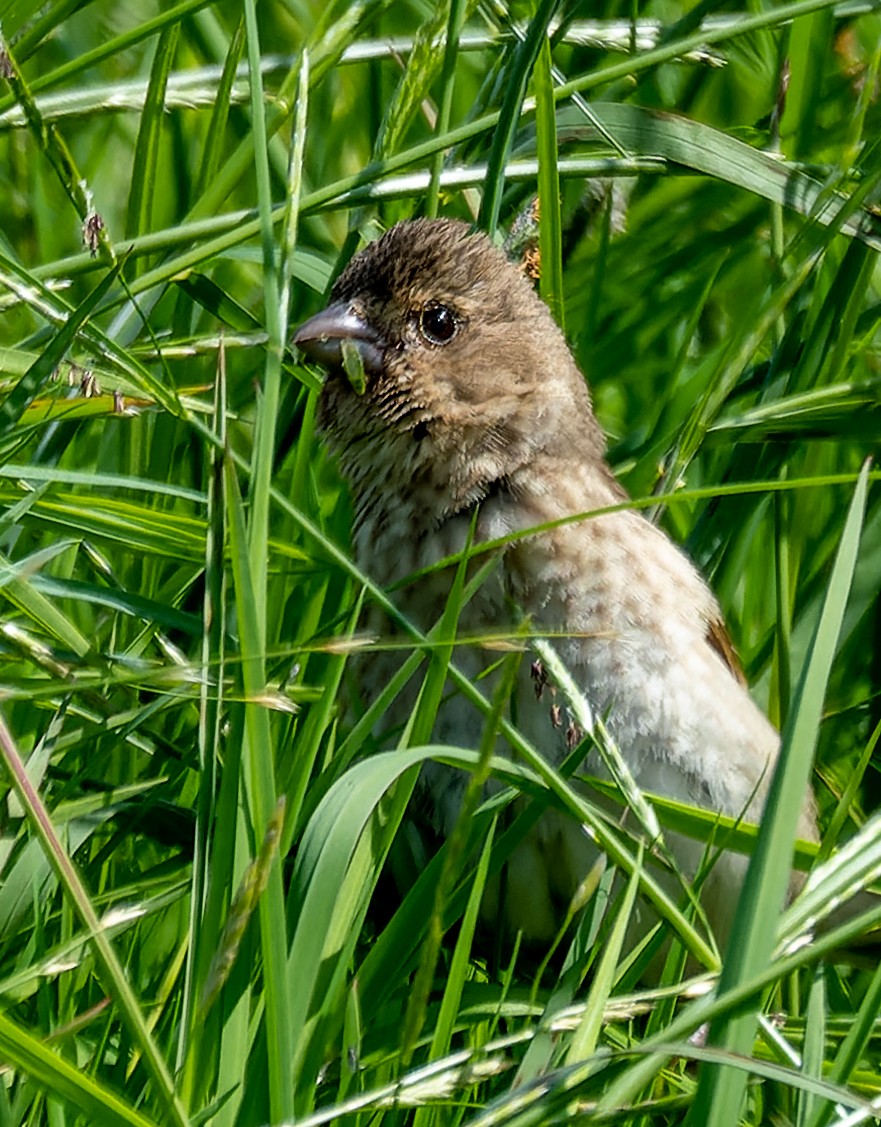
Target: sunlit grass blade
x=323 y=931
x=814 y=1047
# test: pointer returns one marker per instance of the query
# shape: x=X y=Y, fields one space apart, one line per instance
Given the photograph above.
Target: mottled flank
x=475 y=402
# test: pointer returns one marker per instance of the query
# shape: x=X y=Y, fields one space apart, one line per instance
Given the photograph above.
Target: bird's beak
x=322 y=336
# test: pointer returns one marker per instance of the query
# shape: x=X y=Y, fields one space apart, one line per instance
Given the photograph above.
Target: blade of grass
x=584 y=1042
x=112 y=972
x=720 y=1090
x=259 y=786
x=39 y=372
x=418 y=1002
x=53 y=307
x=550 y=227
x=517 y=76
x=146 y=157
x=205 y=907
x=458 y=10
x=220 y=111
x=323 y=929
x=53 y=1074
x=851 y=1049
x=267 y=401
x=87 y=61
x=48 y=139
x=813 y=1052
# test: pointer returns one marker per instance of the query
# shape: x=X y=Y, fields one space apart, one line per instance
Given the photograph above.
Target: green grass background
x=191 y=831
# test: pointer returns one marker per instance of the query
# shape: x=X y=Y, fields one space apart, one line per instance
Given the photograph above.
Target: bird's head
x=466 y=376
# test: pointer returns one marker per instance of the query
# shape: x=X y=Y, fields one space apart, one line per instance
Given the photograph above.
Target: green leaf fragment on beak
x=353 y=365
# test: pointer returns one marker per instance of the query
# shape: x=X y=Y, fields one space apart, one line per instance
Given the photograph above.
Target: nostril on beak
x=322 y=336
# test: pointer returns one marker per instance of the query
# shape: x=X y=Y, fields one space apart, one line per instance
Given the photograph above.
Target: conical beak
x=322 y=336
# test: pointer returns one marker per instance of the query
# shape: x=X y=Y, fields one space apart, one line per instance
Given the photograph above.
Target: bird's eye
x=438 y=323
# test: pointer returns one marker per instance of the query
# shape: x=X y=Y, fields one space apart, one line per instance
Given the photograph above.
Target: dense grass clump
x=194 y=922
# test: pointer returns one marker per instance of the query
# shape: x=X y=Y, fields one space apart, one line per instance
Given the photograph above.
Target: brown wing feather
x=718 y=638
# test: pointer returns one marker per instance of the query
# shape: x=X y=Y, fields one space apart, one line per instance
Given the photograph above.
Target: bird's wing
x=718 y=638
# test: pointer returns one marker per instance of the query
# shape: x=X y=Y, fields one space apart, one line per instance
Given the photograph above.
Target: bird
x=473 y=423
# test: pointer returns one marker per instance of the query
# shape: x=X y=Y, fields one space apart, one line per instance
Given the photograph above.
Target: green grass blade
x=19 y=398
x=145 y=169
x=56 y=1075
x=457 y=14
x=220 y=111
x=112 y=971
x=549 y=218
x=517 y=76
x=259 y=786
x=720 y=1091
